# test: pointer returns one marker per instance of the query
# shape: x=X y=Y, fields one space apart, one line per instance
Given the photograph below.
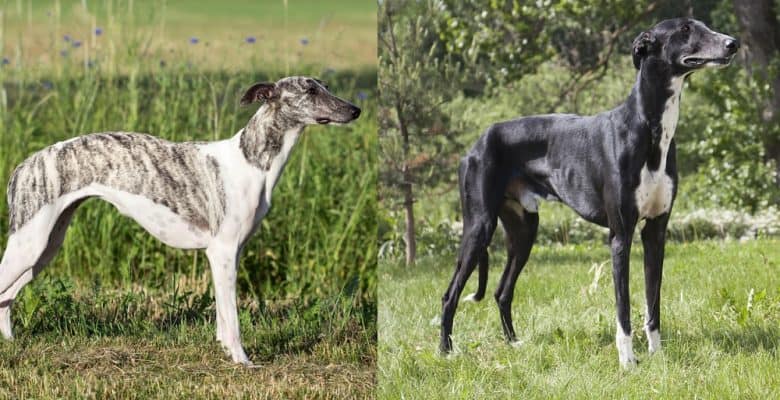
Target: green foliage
x=501 y=42
x=721 y=138
x=494 y=40
x=417 y=143
x=727 y=142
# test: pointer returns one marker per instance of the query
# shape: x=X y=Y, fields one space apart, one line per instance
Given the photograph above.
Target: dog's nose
x=355 y=112
x=732 y=45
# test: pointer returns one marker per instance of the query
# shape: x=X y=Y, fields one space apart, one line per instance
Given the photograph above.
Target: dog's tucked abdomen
x=175 y=176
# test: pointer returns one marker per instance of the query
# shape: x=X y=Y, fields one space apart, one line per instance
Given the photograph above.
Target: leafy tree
x=760 y=28
x=501 y=41
x=416 y=145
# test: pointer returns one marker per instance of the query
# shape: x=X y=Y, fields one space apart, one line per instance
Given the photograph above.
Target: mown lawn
x=720 y=329
x=81 y=340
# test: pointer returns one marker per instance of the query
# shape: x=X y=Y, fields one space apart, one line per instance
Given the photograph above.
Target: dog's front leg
x=653 y=240
x=223 y=260
x=621 y=249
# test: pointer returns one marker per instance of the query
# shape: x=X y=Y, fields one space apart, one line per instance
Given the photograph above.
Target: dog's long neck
x=268 y=137
x=656 y=98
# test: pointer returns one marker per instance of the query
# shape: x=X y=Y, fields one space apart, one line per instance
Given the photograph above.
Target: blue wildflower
x=362 y=95
x=304 y=41
x=76 y=43
x=250 y=39
x=47 y=85
x=6 y=61
x=98 y=31
x=64 y=53
x=66 y=38
x=194 y=40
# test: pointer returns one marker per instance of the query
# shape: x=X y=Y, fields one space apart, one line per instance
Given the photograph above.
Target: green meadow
x=719 y=329
x=119 y=314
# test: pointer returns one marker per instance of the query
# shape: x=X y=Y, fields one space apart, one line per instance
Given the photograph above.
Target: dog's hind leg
x=653 y=239
x=23 y=248
x=520 y=227
x=28 y=251
x=480 y=216
x=223 y=260
x=475 y=241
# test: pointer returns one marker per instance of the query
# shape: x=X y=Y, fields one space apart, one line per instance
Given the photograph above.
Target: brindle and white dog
x=196 y=195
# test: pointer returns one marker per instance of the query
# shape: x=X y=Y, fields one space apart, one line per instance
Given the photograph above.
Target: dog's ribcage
x=174 y=175
x=654 y=193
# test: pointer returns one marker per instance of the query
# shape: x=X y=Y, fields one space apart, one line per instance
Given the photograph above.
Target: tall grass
x=119 y=314
x=319 y=236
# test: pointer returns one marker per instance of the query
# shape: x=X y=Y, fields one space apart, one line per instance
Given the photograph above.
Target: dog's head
x=303 y=99
x=685 y=45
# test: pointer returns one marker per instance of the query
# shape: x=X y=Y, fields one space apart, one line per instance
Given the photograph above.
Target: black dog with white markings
x=613 y=169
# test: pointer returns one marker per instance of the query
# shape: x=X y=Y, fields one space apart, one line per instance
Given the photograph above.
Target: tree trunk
x=409 y=235
x=761 y=36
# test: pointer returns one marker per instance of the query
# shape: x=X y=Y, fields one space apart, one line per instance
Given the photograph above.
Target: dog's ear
x=264 y=91
x=643 y=45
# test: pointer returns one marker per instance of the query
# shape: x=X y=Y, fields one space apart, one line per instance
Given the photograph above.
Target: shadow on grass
x=744 y=339
x=731 y=340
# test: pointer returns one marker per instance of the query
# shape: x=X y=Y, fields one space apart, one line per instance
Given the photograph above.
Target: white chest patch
x=654 y=193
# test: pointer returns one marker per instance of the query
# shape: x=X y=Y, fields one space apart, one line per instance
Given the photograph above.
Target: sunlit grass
x=720 y=332
x=119 y=36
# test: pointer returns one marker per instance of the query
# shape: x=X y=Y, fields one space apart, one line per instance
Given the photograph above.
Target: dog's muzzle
x=354 y=113
x=731 y=47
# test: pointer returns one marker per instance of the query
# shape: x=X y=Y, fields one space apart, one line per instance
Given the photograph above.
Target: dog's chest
x=654 y=193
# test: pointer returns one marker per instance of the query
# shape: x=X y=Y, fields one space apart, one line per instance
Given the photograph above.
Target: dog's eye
x=311 y=90
x=685 y=28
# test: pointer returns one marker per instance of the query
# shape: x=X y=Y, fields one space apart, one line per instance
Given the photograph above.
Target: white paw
x=627 y=361
x=470 y=298
x=5 y=324
x=239 y=357
x=653 y=341
x=516 y=344
x=625 y=349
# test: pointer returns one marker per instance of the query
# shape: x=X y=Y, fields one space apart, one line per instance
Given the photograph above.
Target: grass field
x=328 y=35
x=79 y=341
x=117 y=313
x=720 y=332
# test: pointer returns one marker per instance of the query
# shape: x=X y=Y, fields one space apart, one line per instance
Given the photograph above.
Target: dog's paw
x=472 y=298
x=653 y=341
x=628 y=362
x=451 y=355
x=516 y=343
x=242 y=359
x=625 y=350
